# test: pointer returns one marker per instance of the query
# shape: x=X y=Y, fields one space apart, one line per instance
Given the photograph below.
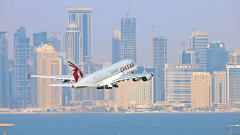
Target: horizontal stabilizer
x=62 y=85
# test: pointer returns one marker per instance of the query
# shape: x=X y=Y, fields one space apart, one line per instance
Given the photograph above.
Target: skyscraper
x=22 y=62
x=199 y=41
x=237 y=56
x=128 y=37
x=82 y=16
x=116 y=45
x=39 y=39
x=130 y=94
x=4 y=82
x=49 y=63
x=219 y=88
x=233 y=79
x=177 y=82
x=160 y=58
x=55 y=42
x=11 y=81
x=188 y=57
x=201 y=90
x=73 y=43
x=217 y=57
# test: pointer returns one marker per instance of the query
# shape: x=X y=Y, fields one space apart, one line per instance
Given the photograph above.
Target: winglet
x=151 y=74
x=28 y=76
x=76 y=72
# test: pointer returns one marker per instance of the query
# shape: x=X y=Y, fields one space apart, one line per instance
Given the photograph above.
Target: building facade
x=74 y=43
x=82 y=16
x=177 y=82
x=219 y=88
x=4 y=78
x=188 y=57
x=129 y=94
x=49 y=63
x=233 y=79
x=236 y=55
x=217 y=57
x=39 y=39
x=201 y=90
x=199 y=41
x=23 y=92
x=160 y=58
x=128 y=38
x=116 y=45
x=55 y=42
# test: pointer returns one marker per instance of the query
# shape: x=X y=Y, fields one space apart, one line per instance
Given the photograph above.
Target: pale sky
x=177 y=18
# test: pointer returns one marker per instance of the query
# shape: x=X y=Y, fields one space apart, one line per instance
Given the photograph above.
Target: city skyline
x=220 y=24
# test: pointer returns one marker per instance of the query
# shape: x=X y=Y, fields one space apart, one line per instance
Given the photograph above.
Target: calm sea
x=123 y=124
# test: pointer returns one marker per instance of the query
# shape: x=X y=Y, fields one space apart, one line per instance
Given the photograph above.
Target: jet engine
x=136 y=79
x=146 y=78
x=66 y=80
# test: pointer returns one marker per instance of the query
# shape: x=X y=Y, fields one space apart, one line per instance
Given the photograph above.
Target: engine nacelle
x=136 y=79
x=146 y=78
x=66 y=80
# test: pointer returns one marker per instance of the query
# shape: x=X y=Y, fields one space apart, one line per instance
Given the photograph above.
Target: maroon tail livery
x=76 y=72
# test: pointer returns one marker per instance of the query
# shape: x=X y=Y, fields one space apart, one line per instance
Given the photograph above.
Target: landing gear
x=115 y=85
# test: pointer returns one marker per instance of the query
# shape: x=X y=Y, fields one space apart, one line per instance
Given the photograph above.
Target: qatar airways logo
x=122 y=69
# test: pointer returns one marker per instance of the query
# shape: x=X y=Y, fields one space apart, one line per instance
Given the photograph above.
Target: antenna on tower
x=127 y=14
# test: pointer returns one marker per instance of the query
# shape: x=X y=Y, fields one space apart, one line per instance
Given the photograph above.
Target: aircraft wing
x=80 y=86
x=134 y=77
x=64 y=78
x=62 y=85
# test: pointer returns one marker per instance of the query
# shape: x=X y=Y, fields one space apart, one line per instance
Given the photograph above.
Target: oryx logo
x=77 y=72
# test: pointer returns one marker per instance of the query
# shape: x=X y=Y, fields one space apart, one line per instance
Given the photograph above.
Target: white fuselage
x=106 y=75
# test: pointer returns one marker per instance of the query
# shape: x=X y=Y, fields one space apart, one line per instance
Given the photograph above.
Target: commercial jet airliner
x=105 y=78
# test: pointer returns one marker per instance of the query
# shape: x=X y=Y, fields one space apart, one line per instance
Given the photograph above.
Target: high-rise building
x=219 y=88
x=188 y=57
x=199 y=41
x=39 y=39
x=11 y=81
x=233 y=79
x=73 y=43
x=4 y=82
x=217 y=57
x=128 y=38
x=237 y=56
x=201 y=90
x=230 y=55
x=116 y=45
x=22 y=85
x=178 y=82
x=150 y=69
x=49 y=63
x=55 y=42
x=82 y=16
x=131 y=93
x=160 y=58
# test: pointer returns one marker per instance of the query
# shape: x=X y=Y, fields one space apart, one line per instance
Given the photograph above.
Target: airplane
x=105 y=78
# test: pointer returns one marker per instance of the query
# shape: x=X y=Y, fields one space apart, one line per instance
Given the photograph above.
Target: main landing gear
x=106 y=87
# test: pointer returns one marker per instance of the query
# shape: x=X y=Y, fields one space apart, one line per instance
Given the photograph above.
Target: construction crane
x=153 y=26
x=127 y=14
x=183 y=44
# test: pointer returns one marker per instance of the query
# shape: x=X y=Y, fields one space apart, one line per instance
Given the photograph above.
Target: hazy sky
x=177 y=18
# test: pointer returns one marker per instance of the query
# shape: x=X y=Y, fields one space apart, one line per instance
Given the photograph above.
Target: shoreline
x=114 y=112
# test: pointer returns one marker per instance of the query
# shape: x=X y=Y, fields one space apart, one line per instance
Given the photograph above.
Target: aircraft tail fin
x=76 y=71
